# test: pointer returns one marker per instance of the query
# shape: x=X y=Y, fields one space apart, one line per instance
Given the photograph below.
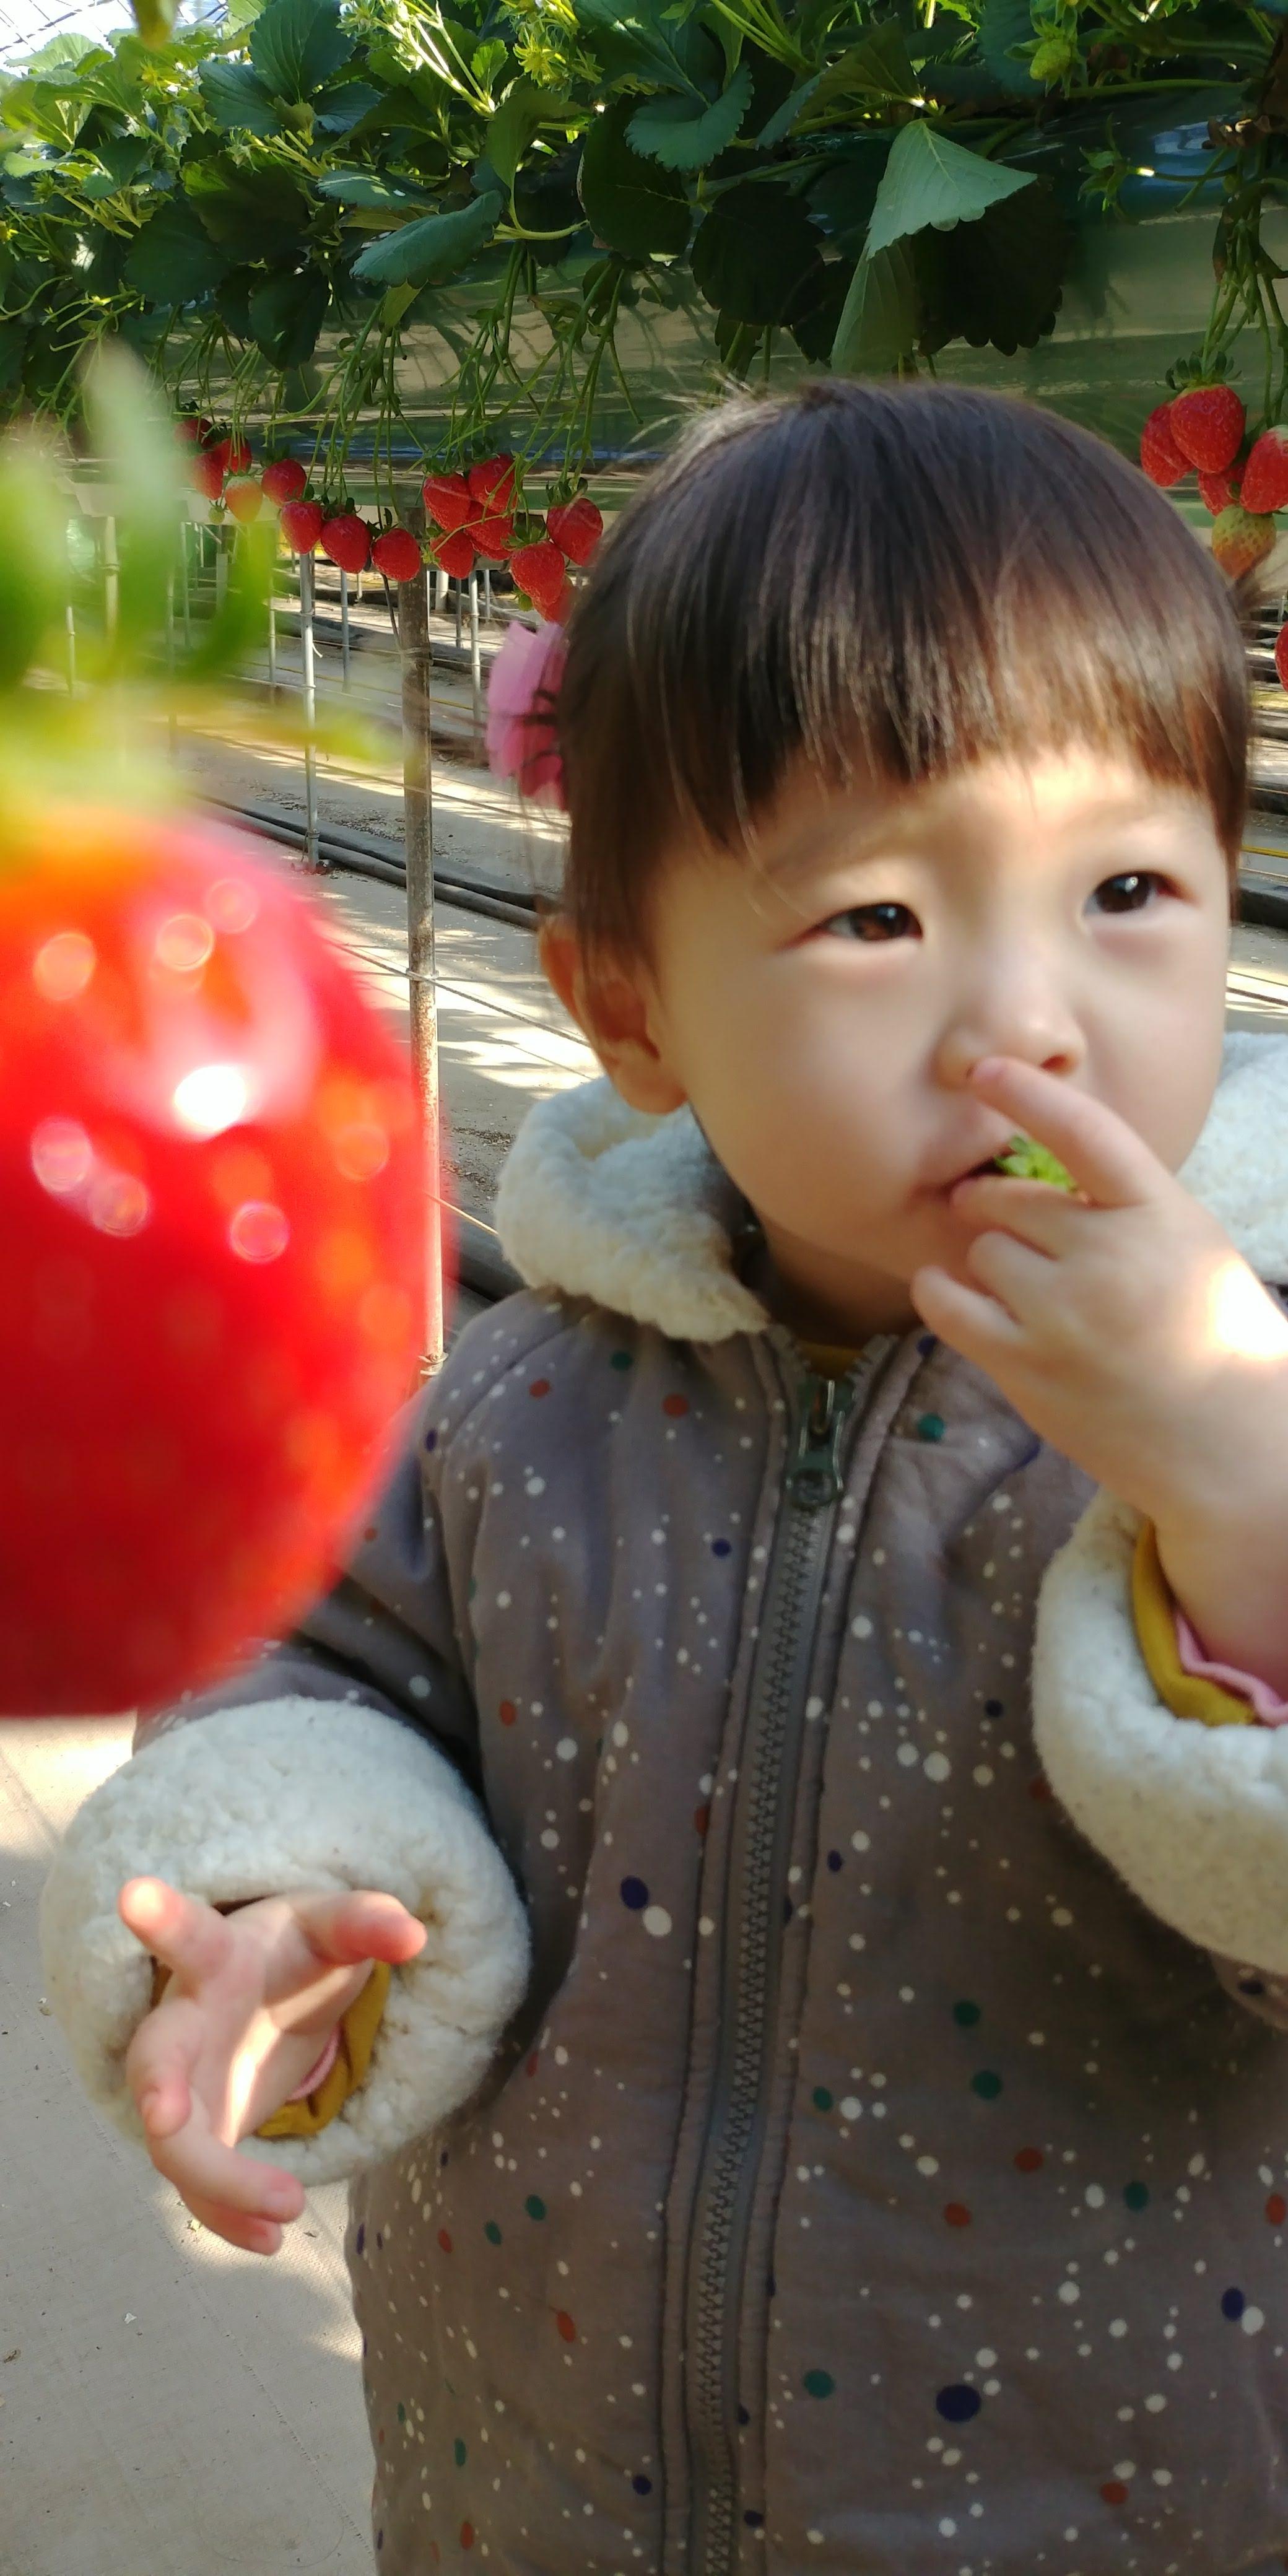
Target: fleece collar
x=598 y=1201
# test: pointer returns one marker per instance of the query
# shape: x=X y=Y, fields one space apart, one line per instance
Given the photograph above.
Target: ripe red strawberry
x=492 y=482
x=207 y=475
x=1207 y=424
x=576 y=527
x=192 y=430
x=347 y=540
x=542 y=572
x=283 y=480
x=449 y=500
x=493 y=538
x=1241 y=541
x=397 y=555
x=233 y=454
x=454 y=553
x=211 y=1212
x=1217 y=491
x=1160 y=456
x=1265 y=476
x=244 y=498
x=1281 y=656
x=302 y=523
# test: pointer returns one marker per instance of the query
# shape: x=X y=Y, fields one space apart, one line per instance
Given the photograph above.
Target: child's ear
x=614 y=1007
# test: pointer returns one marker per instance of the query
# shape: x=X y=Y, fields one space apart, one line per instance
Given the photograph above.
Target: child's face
x=821 y=1013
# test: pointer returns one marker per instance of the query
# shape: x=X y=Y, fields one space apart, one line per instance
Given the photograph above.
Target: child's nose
x=1026 y=1019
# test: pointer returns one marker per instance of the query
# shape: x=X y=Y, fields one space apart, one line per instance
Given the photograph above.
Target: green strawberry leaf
x=682 y=133
x=929 y=180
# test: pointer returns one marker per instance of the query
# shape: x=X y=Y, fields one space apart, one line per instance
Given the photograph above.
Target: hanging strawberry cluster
x=220 y=470
x=479 y=513
x=1242 y=480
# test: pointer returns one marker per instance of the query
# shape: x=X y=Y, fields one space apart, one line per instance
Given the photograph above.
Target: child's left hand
x=1122 y=1324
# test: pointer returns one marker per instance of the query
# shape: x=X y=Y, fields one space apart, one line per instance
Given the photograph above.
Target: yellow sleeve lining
x=1186 y=1694
x=358 y=2034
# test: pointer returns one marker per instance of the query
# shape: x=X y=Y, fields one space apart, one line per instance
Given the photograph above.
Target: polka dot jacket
x=859 y=2164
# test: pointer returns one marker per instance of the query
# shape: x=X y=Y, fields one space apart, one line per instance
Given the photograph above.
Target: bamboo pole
x=418 y=845
x=310 y=710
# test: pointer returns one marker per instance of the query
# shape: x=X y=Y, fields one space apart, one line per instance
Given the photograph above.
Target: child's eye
x=873 y=922
x=1130 y=892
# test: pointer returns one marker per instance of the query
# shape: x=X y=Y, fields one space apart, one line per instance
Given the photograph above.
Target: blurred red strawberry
x=494 y=538
x=397 y=555
x=541 y=571
x=346 y=539
x=233 y=454
x=283 y=480
x=455 y=553
x=302 y=524
x=576 y=527
x=491 y=483
x=206 y=473
x=448 y=500
x=211 y=1210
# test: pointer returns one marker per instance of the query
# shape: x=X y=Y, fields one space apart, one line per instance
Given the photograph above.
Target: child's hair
x=878 y=578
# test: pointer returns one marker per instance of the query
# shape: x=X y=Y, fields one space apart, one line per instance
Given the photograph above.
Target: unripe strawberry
x=207 y=475
x=492 y=482
x=1241 y=541
x=1265 y=476
x=283 y=480
x=449 y=500
x=244 y=499
x=347 y=540
x=576 y=527
x=397 y=555
x=454 y=553
x=493 y=538
x=1160 y=457
x=1207 y=424
x=302 y=523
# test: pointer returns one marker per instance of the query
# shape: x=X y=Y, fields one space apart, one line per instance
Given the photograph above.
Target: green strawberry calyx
x=1025 y=1160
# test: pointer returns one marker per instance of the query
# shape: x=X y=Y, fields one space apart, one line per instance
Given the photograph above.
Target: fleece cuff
x=1194 y=1818
x=257 y=1801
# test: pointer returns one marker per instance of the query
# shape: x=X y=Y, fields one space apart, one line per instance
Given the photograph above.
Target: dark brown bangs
x=890 y=579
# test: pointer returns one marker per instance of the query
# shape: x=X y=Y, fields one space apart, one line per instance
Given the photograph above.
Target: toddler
x=771 y=1869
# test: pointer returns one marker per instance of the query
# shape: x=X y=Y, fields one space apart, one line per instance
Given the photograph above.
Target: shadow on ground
x=167 y=2407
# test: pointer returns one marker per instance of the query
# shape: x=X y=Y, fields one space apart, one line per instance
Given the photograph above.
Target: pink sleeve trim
x=319 y=2073
x=1266 y=1708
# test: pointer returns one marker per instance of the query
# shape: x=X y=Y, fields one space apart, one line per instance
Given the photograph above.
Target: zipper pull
x=814 y=1477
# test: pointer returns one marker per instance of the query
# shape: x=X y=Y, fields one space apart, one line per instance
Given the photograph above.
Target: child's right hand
x=252 y=1999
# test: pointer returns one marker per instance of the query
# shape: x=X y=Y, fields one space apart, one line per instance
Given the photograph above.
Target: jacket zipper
x=760 y=1844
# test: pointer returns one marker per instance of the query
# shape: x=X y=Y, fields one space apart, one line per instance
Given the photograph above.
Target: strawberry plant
x=277 y=207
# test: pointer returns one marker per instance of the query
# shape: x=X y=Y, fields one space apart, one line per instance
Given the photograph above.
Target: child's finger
x=250 y=2235
x=187 y=1937
x=1047 y=1218
x=158 y=2066
x=1107 y=1158
x=201 y=2167
x=972 y=1323
x=1015 y=1273
x=361 y=1924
